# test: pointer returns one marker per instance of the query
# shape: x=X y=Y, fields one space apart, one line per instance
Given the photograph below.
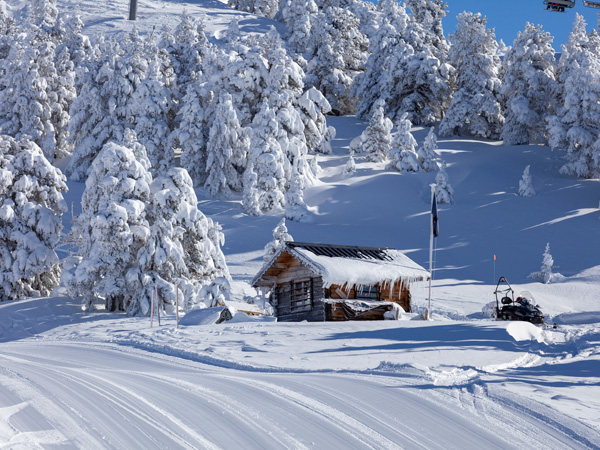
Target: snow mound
x=525 y=331
x=202 y=316
x=578 y=318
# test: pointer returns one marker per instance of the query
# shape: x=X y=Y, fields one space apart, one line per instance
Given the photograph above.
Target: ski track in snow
x=97 y=395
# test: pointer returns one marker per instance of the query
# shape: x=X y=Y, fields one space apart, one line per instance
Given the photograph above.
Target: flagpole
x=430 y=251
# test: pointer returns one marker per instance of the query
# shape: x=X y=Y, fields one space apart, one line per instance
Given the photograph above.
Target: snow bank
x=525 y=331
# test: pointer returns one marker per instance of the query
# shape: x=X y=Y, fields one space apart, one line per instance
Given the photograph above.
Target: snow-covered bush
x=403 y=156
x=444 y=193
x=350 y=166
x=525 y=184
x=378 y=134
x=280 y=237
x=31 y=208
x=427 y=153
x=545 y=274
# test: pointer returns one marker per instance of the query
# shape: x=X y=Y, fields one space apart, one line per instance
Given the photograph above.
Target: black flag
x=434 y=217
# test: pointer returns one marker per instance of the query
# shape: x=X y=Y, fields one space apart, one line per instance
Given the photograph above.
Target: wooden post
x=158 y=305
x=132 y=9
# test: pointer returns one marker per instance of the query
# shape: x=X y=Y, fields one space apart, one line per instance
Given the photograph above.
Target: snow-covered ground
x=70 y=379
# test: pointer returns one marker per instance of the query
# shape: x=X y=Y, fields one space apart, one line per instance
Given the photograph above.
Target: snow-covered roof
x=342 y=265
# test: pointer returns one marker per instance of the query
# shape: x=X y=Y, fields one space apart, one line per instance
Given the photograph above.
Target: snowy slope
x=70 y=379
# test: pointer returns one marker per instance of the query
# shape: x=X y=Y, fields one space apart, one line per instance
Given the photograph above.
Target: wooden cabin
x=323 y=282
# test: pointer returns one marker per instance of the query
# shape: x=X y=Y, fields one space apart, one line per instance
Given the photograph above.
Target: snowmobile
x=523 y=308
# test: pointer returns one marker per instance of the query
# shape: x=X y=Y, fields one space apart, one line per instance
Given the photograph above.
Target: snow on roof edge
x=341 y=271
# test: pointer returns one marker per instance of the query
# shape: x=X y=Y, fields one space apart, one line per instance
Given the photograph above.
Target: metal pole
x=430 y=253
x=132 y=9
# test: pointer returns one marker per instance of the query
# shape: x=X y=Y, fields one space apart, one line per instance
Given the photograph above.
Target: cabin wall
x=283 y=294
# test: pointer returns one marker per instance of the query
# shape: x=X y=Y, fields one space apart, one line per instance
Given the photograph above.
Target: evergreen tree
x=475 y=108
x=378 y=134
x=525 y=185
x=264 y=178
x=350 y=167
x=112 y=229
x=300 y=17
x=312 y=107
x=184 y=248
x=280 y=237
x=427 y=153
x=528 y=86
x=575 y=126
x=340 y=53
x=228 y=147
x=444 y=193
x=31 y=208
x=403 y=156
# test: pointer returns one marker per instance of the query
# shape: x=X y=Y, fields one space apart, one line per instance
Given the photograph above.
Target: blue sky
x=509 y=16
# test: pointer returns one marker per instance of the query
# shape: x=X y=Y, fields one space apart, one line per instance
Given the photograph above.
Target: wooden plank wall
x=297 y=271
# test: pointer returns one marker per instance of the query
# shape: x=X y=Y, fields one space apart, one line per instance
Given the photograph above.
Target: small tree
x=402 y=154
x=444 y=192
x=280 y=237
x=545 y=274
x=378 y=134
x=427 y=155
x=350 y=167
x=31 y=208
x=525 y=184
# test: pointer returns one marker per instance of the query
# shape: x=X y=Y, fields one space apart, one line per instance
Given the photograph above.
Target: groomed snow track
x=69 y=395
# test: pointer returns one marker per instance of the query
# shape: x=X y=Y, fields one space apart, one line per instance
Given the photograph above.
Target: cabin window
x=301 y=295
x=367 y=293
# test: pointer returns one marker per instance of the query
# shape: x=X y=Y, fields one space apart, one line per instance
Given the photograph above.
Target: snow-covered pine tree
x=295 y=207
x=313 y=107
x=403 y=155
x=427 y=153
x=25 y=98
x=300 y=17
x=575 y=126
x=386 y=47
x=31 y=208
x=149 y=113
x=112 y=229
x=525 y=184
x=429 y=14
x=545 y=274
x=280 y=237
x=7 y=31
x=91 y=123
x=475 y=108
x=106 y=104
x=378 y=134
x=228 y=146
x=527 y=87
x=264 y=178
x=406 y=68
x=265 y=8
x=339 y=54
x=444 y=193
x=184 y=248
